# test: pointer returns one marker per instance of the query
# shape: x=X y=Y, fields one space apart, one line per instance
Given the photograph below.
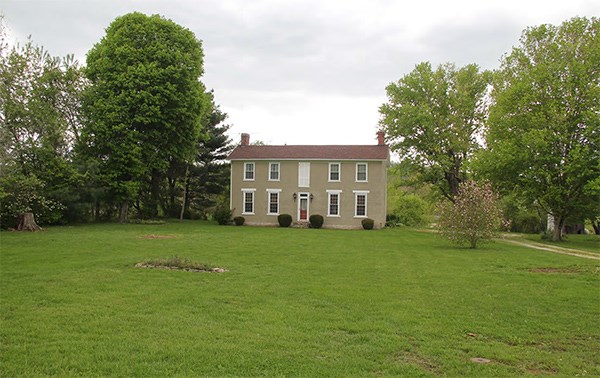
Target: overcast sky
x=306 y=72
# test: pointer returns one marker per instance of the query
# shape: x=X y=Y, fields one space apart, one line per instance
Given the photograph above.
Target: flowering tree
x=474 y=216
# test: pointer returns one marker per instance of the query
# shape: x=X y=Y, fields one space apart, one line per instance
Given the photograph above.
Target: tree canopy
x=145 y=103
x=433 y=120
x=544 y=125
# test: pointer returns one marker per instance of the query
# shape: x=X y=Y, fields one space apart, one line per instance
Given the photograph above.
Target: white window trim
x=366 y=172
x=244 y=191
x=278 y=171
x=356 y=194
x=339 y=172
x=253 y=171
x=300 y=183
x=339 y=194
x=269 y=191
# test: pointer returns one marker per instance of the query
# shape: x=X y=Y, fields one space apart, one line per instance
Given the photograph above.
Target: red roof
x=332 y=152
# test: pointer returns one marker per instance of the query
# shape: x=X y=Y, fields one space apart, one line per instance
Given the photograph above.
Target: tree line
x=531 y=127
x=133 y=132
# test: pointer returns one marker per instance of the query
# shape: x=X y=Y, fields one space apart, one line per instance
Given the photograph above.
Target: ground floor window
x=360 y=203
x=273 y=197
x=248 y=196
x=333 y=203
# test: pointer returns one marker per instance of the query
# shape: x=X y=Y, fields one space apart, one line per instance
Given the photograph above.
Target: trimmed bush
x=222 y=215
x=368 y=223
x=239 y=221
x=285 y=220
x=316 y=221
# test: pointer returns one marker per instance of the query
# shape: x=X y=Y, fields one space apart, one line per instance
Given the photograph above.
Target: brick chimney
x=381 y=138
x=245 y=139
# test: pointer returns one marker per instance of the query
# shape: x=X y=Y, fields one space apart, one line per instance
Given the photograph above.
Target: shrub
x=239 y=221
x=368 y=223
x=222 y=214
x=285 y=220
x=474 y=216
x=316 y=221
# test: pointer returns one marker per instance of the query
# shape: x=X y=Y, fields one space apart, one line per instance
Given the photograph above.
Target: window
x=273 y=171
x=361 y=172
x=273 y=198
x=333 y=207
x=334 y=171
x=360 y=203
x=248 y=171
x=303 y=175
x=248 y=196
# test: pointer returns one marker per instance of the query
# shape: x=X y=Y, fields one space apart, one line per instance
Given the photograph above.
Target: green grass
x=295 y=302
x=589 y=243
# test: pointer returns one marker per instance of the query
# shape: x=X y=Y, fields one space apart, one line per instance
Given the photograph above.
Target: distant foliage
x=222 y=214
x=21 y=194
x=239 y=221
x=316 y=221
x=475 y=215
x=368 y=223
x=285 y=220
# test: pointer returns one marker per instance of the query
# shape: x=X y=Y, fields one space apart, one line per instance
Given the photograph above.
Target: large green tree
x=544 y=125
x=39 y=122
x=433 y=118
x=145 y=104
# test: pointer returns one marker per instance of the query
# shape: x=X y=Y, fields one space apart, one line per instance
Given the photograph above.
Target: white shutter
x=303 y=175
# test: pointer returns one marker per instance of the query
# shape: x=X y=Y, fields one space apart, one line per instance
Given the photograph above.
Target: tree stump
x=26 y=222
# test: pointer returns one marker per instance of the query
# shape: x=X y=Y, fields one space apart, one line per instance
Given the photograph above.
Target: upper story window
x=248 y=171
x=303 y=175
x=334 y=172
x=361 y=172
x=273 y=171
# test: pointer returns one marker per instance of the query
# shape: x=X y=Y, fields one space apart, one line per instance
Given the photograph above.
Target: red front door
x=303 y=207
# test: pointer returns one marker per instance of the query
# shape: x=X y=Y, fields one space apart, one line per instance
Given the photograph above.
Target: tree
x=433 y=119
x=39 y=112
x=144 y=105
x=209 y=175
x=475 y=215
x=544 y=124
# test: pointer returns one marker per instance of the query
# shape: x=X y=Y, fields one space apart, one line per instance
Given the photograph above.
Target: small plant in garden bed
x=178 y=263
x=368 y=223
x=316 y=221
x=284 y=220
x=239 y=221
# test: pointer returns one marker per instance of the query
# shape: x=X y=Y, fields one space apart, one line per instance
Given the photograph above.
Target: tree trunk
x=123 y=212
x=557 y=229
x=596 y=226
x=185 y=190
x=26 y=222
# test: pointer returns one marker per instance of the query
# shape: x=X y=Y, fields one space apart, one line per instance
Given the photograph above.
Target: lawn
x=589 y=243
x=294 y=302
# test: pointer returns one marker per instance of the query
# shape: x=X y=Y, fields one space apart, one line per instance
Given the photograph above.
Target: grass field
x=294 y=302
x=589 y=243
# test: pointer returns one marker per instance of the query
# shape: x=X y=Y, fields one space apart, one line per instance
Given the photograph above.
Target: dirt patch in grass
x=412 y=358
x=555 y=270
x=185 y=269
x=179 y=263
x=151 y=236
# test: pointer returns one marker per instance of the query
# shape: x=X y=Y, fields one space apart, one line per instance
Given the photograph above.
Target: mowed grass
x=589 y=243
x=294 y=302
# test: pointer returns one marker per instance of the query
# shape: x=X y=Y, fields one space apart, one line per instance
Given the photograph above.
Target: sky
x=305 y=72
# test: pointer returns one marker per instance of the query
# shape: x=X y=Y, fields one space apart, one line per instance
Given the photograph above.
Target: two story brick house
x=343 y=183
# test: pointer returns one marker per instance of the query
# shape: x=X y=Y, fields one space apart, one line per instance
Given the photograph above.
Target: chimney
x=245 y=139
x=381 y=138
